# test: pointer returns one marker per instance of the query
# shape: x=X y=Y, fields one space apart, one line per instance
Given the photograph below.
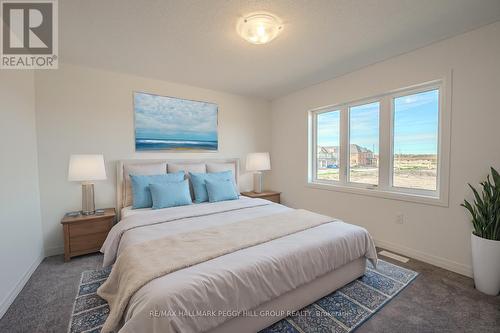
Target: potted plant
x=485 y=238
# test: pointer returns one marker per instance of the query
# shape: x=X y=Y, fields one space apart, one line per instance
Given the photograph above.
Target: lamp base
x=88 y=203
x=257 y=182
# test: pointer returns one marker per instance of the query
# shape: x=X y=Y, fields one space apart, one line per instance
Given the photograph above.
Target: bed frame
x=294 y=300
x=288 y=302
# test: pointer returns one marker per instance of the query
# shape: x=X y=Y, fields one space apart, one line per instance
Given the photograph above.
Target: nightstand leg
x=67 y=256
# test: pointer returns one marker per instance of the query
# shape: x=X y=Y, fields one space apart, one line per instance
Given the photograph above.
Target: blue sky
x=328 y=128
x=364 y=129
x=415 y=125
x=158 y=117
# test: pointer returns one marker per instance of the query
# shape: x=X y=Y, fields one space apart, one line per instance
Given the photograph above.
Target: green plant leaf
x=485 y=210
x=496 y=177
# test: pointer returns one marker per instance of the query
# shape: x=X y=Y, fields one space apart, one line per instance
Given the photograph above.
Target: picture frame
x=174 y=124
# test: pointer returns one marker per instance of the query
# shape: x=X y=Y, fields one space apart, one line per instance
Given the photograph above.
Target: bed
x=246 y=290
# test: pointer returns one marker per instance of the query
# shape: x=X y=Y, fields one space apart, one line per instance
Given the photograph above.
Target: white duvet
x=201 y=297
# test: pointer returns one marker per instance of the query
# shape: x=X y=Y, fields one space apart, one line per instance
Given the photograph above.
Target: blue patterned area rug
x=341 y=311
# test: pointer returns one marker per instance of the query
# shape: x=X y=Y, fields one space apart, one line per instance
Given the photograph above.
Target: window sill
x=375 y=192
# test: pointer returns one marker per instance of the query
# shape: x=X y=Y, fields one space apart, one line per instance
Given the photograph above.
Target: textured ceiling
x=195 y=42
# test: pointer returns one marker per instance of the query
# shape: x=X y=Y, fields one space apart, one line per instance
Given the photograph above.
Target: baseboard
x=6 y=303
x=54 y=251
x=425 y=257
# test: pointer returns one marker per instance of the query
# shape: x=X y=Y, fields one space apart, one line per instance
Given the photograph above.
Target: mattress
x=204 y=296
x=129 y=211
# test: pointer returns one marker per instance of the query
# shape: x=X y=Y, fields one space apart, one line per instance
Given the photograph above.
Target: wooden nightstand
x=268 y=195
x=86 y=233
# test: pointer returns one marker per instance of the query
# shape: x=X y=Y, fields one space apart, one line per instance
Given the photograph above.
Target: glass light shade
x=86 y=168
x=258 y=162
x=259 y=28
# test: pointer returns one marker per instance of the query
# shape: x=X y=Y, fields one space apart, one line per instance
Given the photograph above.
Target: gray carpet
x=437 y=301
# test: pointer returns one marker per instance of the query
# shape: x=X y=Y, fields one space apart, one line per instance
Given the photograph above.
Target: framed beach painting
x=169 y=123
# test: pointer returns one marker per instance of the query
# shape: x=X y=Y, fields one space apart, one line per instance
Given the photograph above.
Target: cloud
x=417 y=101
x=171 y=114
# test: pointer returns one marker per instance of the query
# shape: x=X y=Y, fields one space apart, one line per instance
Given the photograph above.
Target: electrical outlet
x=400 y=218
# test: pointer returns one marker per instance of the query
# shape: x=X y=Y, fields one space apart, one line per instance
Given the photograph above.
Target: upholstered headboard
x=147 y=166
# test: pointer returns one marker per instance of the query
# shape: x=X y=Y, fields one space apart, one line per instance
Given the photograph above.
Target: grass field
x=411 y=171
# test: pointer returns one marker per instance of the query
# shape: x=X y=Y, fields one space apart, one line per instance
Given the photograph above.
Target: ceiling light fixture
x=259 y=28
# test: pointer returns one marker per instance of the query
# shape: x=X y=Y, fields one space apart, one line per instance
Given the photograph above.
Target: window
x=328 y=154
x=389 y=145
x=416 y=119
x=363 y=143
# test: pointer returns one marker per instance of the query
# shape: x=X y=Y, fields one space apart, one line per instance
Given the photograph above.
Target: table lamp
x=85 y=169
x=258 y=162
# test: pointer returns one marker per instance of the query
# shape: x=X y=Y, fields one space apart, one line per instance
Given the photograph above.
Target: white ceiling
x=195 y=41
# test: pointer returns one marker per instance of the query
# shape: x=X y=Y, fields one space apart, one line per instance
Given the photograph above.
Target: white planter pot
x=486 y=264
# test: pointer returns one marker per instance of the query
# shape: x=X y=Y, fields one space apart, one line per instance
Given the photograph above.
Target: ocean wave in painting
x=161 y=144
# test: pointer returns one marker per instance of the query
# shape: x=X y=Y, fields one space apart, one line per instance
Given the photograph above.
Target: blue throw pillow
x=166 y=195
x=199 y=187
x=141 y=195
x=221 y=190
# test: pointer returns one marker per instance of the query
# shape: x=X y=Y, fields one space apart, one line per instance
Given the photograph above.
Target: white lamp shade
x=86 y=168
x=258 y=162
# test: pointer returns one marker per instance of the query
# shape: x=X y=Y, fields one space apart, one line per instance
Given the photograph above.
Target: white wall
x=440 y=235
x=84 y=110
x=21 y=248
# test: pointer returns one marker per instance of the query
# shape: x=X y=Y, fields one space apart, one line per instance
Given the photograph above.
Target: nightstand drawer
x=86 y=233
x=90 y=227
x=87 y=242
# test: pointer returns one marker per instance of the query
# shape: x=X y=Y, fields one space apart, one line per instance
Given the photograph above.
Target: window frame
x=385 y=187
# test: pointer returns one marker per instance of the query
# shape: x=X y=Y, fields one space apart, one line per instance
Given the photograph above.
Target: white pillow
x=156 y=168
x=219 y=167
x=187 y=168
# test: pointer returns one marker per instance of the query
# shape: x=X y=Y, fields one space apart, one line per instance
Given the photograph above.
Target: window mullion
x=385 y=139
x=313 y=142
x=344 y=144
